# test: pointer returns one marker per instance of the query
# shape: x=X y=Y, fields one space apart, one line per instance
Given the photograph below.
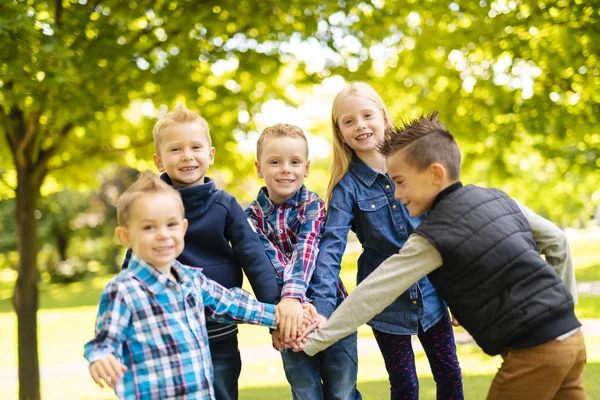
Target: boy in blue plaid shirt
x=288 y=220
x=150 y=338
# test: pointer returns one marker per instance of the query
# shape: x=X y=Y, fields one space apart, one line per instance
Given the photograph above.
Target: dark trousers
x=440 y=348
x=227 y=365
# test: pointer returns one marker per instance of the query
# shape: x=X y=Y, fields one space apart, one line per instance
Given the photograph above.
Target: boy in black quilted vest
x=481 y=250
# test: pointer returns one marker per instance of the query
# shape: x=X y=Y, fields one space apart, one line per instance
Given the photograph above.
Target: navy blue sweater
x=221 y=242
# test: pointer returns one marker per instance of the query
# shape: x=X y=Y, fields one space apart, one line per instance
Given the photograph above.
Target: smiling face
x=416 y=189
x=283 y=164
x=185 y=154
x=155 y=230
x=361 y=124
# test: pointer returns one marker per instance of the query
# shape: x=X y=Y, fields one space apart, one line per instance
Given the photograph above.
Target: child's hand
x=289 y=315
x=309 y=315
x=277 y=340
x=455 y=321
x=107 y=369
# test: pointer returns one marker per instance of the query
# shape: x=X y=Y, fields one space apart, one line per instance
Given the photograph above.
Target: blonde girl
x=360 y=198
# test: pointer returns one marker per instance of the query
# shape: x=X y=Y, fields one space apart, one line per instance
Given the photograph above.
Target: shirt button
x=281 y=231
x=288 y=254
x=372 y=205
x=280 y=211
x=401 y=227
x=414 y=302
x=387 y=186
x=394 y=207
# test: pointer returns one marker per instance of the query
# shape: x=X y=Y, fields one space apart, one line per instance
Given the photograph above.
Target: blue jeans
x=227 y=365
x=329 y=375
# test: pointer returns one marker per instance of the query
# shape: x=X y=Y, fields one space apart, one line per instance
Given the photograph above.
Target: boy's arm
x=274 y=253
x=553 y=244
x=251 y=255
x=417 y=258
x=234 y=305
x=298 y=272
x=113 y=318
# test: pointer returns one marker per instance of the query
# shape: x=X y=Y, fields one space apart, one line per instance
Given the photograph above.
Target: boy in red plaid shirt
x=288 y=219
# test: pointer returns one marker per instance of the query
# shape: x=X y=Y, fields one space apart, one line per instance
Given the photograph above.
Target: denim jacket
x=364 y=201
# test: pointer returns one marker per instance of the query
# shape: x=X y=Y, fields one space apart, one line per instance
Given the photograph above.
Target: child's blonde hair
x=279 y=130
x=342 y=153
x=147 y=184
x=179 y=115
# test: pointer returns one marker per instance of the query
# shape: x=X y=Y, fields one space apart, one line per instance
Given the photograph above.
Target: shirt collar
x=267 y=207
x=154 y=280
x=362 y=171
x=441 y=195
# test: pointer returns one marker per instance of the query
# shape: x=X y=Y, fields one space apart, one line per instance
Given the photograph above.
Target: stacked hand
x=310 y=321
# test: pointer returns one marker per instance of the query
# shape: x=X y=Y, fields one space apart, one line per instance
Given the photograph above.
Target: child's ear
x=438 y=173
x=211 y=156
x=185 y=225
x=307 y=168
x=258 y=170
x=123 y=236
x=158 y=162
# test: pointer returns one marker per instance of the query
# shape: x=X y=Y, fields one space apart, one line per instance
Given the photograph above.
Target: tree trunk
x=25 y=299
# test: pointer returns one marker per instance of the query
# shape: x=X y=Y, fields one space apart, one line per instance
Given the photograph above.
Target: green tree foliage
x=516 y=81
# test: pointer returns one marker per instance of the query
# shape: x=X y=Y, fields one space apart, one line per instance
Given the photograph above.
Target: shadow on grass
x=77 y=294
x=475 y=388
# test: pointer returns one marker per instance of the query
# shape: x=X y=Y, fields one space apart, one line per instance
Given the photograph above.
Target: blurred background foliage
x=82 y=82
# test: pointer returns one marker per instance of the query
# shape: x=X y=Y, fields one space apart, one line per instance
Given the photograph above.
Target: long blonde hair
x=342 y=153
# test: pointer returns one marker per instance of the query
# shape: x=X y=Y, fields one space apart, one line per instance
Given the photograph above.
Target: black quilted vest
x=493 y=278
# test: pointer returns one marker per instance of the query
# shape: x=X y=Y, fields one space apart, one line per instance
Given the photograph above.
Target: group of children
x=165 y=327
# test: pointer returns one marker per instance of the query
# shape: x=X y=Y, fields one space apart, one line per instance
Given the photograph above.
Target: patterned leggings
x=438 y=343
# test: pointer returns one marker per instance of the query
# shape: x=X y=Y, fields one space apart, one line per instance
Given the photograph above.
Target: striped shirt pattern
x=157 y=328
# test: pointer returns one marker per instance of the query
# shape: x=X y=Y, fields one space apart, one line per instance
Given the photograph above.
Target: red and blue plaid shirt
x=290 y=233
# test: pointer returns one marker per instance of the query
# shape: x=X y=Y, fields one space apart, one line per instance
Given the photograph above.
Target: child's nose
x=360 y=124
x=187 y=154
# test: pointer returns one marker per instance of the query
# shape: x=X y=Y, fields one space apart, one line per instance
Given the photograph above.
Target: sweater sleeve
x=552 y=243
x=417 y=258
x=250 y=253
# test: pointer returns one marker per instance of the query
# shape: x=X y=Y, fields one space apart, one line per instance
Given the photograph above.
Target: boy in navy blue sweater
x=218 y=239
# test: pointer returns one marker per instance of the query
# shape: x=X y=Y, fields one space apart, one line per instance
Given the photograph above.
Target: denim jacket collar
x=267 y=207
x=154 y=280
x=362 y=171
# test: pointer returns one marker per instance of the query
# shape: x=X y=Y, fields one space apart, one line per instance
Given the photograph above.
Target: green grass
x=475 y=387
x=66 y=321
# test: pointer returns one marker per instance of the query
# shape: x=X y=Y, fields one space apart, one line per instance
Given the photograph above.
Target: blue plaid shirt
x=157 y=328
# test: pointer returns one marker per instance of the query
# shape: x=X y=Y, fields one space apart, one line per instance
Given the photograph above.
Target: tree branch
x=58 y=13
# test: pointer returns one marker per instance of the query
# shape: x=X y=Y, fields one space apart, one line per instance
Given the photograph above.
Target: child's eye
x=367 y=115
x=296 y=162
x=196 y=147
x=275 y=162
x=147 y=227
x=347 y=122
x=173 y=224
x=174 y=149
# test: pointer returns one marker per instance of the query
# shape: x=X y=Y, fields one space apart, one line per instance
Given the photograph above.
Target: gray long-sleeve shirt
x=416 y=259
